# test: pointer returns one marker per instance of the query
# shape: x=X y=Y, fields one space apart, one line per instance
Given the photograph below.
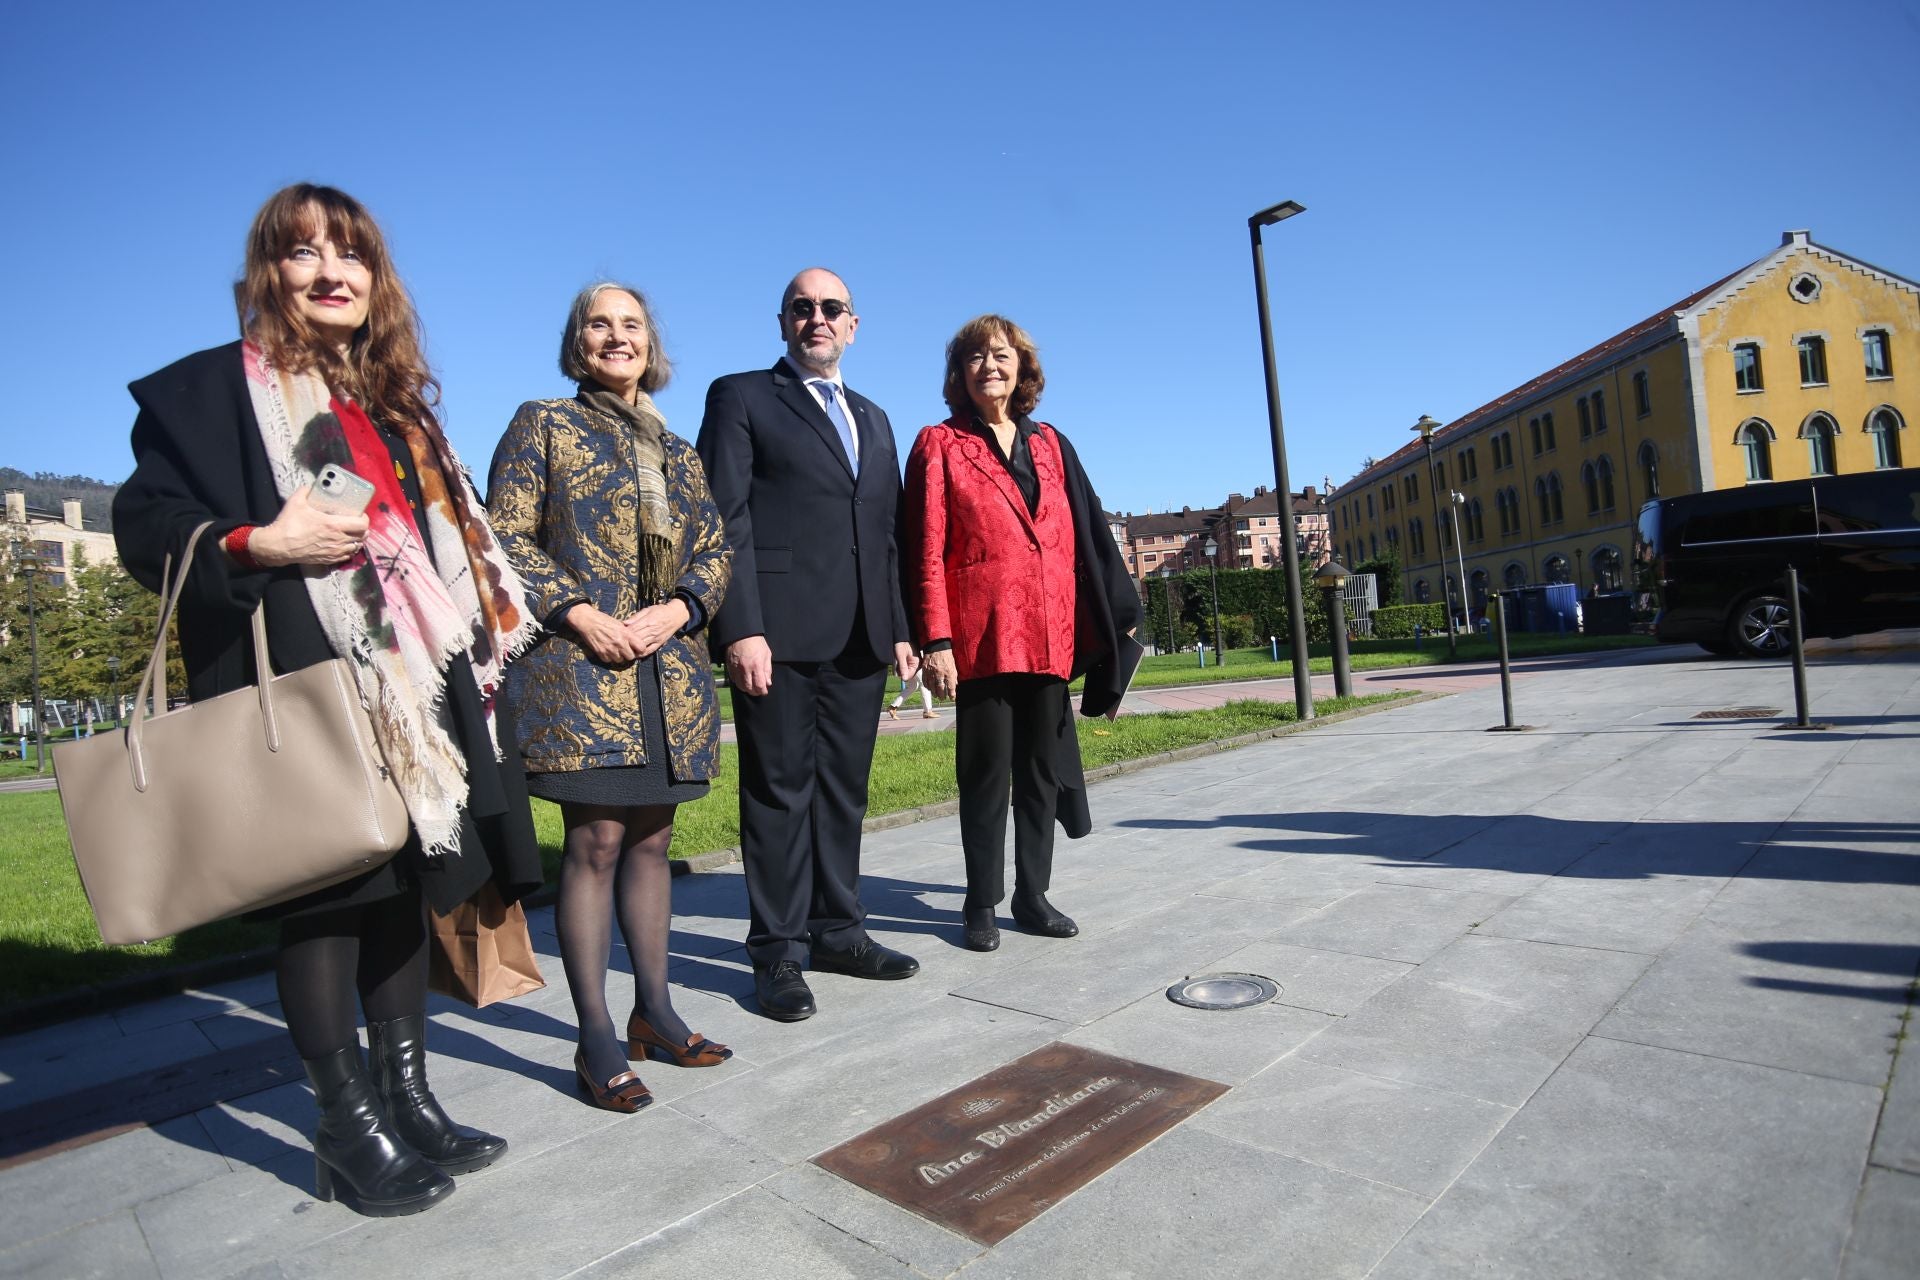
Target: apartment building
x=1802 y=363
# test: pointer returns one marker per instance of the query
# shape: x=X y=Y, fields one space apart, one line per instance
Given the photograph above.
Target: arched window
x=1501 y=513
x=1515 y=575
x=1604 y=470
x=1417 y=536
x=1540 y=496
x=1755 y=438
x=1606 y=569
x=1818 y=431
x=1476 y=520
x=1477 y=585
x=1650 y=469
x=1884 y=426
x=1592 y=484
x=1513 y=505
x=1556 y=568
x=1422 y=593
x=1393 y=538
x=1553 y=497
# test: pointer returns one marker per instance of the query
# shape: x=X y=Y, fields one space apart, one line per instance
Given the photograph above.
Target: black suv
x=1712 y=567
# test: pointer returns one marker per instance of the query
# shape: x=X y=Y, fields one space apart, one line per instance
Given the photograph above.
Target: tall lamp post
x=1426 y=427
x=26 y=563
x=1213 y=581
x=1166 y=597
x=113 y=676
x=1296 y=608
x=1459 y=500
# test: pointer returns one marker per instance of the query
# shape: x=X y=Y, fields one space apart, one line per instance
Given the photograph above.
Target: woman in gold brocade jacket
x=607 y=517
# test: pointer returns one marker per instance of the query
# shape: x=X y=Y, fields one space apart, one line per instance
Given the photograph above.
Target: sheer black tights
x=615 y=863
x=374 y=956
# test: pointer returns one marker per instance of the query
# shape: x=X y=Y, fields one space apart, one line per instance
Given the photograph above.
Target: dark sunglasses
x=832 y=309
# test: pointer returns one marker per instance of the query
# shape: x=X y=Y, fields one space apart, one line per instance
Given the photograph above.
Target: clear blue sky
x=1490 y=189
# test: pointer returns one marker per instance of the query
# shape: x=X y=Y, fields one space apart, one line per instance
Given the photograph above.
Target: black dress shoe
x=1037 y=915
x=867 y=959
x=982 y=933
x=783 y=992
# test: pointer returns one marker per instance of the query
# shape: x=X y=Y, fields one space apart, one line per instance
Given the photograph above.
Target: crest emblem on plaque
x=974 y=1108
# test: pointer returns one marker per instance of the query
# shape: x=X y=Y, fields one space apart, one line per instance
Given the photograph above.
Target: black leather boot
x=357 y=1153
x=398 y=1048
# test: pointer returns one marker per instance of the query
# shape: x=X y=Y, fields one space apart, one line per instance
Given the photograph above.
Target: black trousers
x=1007 y=725
x=806 y=750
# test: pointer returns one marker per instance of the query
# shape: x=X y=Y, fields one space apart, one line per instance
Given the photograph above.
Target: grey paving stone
x=243 y=1025
x=1886 y=1228
x=1489 y=1017
x=21 y=1053
x=591 y=1197
x=1896 y=1144
x=1332 y=982
x=786 y=1241
x=192 y=1006
x=1635 y=1162
x=799 y=1105
x=1087 y=977
x=1197 y=1204
x=1228 y=1046
x=104 y=1058
x=922 y=1245
x=109 y=1248
x=261 y=1126
x=1393 y=922
x=257 y=1212
x=1404 y=1135
x=1804 y=975
x=61 y=1191
x=1617 y=913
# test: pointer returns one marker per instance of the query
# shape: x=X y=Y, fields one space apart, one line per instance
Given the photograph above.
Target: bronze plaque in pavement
x=992 y=1155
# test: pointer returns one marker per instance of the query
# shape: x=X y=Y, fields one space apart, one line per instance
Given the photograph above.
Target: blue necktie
x=839 y=416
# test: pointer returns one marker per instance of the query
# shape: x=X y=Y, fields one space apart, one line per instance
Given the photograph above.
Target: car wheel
x=1760 y=628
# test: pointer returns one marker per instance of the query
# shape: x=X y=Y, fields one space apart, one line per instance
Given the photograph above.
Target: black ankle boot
x=357 y=1152
x=1034 y=913
x=398 y=1048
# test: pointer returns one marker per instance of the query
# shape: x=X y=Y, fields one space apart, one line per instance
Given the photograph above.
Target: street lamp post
x=1213 y=581
x=1426 y=427
x=1296 y=610
x=27 y=563
x=1460 y=554
x=1166 y=598
x=113 y=677
x=1332 y=579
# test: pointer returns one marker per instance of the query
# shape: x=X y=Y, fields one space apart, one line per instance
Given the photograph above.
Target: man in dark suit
x=806 y=478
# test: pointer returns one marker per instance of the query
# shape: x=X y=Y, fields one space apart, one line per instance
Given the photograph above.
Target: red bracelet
x=236 y=546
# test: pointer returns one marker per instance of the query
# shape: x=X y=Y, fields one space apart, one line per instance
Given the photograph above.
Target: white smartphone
x=341 y=492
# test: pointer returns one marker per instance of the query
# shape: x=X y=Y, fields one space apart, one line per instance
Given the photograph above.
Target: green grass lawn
x=48 y=943
x=1363 y=655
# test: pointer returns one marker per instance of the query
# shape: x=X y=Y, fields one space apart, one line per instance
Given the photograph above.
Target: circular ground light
x=1223 y=991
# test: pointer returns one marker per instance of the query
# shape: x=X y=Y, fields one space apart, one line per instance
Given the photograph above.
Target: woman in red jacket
x=1014 y=587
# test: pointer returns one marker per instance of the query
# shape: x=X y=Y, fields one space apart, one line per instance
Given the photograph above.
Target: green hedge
x=1396 y=622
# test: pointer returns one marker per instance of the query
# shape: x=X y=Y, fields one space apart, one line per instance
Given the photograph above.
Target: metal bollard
x=1201 y=650
x=1800 y=719
x=1274 y=643
x=1418 y=631
x=1498 y=612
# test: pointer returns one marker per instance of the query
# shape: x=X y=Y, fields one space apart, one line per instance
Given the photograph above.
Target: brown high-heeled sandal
x=623 y=1092
x=644 y=1042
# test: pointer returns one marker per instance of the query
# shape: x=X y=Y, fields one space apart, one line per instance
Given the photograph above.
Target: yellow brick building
x=1805 y=362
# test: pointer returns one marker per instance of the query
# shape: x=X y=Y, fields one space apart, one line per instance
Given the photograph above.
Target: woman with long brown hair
x=413 y=592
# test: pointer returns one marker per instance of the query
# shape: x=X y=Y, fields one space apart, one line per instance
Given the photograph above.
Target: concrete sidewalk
x=1616 y=998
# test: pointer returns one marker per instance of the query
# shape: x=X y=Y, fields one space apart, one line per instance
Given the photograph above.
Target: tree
x=102 y=613
x=1387 y=572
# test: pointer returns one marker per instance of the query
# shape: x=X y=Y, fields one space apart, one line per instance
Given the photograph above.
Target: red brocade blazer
x=976 y=568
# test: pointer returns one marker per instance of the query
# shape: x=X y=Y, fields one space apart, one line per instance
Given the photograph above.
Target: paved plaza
x=1618 y=997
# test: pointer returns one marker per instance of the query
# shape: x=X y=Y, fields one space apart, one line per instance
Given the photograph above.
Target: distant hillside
x=47 y=491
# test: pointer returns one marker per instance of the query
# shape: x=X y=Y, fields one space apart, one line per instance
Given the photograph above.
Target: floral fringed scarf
x=396 y=613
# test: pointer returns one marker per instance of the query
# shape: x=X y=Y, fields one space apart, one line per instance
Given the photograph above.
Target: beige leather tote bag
x=227 y=804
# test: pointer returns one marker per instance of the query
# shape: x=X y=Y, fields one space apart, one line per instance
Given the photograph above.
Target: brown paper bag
x=482 y=951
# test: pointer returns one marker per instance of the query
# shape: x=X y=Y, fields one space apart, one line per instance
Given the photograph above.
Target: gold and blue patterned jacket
x=563 y=502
